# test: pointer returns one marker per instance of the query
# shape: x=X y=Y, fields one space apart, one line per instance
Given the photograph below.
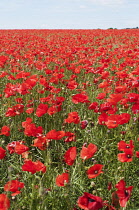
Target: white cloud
x=83 y=6
x=7 y=6
x=108 y=2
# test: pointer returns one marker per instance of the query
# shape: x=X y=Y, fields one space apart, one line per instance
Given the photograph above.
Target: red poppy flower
x=5 y=131
x=72 y=84
x=126 y=156
x=10 y=90
x=90 y=202
x=25 y=123
x=133 y=97
x=101 y=96
x=14 y=186
x=3 y=60
x=121 y=88
x=41 y=142
x=105 y=75
x=102 y=118
x=3 y=74
x=115 y=98
x=29 y=166
x=33 y=167
x=41 y=109
x=70 y=137
x=94 y=171
x=11 y=146
x=15 y=110
x=70 y=156
x=73 y=117
x=31 y=129
x=10 y=112
x=137 y=154
x=59 y=100
x=77 y=70
x=122 y=145
x=112 y=121
x=22 y=74
x=30 y=110
x=20 y=148
x=19 y=100
x=19 y=108
x=105 y=107
x=31 y=81
x=4 y=202
x=79 y=98
x=53 y=109
x=2 y=153
x=103 y=84
x=88 y=152
x=62 y=179
x=93 y=105
x=40 y=166
x=123 y=118
x=56 y=135
x=124 y=193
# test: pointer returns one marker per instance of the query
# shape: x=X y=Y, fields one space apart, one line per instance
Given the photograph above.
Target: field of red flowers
x=69 y=119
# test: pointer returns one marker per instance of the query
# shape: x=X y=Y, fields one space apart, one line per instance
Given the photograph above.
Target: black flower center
x=128 y=156
x=91 y=200
x=126 y=193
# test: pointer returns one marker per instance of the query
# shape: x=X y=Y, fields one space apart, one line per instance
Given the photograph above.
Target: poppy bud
x=83 y=124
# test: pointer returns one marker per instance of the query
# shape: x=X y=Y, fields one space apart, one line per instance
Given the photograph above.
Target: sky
x=69 y=14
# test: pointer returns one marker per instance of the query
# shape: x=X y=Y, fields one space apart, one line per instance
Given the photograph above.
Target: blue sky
x=68 y=14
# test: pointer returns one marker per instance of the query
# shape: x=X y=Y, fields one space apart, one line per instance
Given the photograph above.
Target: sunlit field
x=69 y=119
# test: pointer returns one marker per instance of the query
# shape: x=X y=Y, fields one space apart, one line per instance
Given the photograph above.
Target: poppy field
x=69 y=119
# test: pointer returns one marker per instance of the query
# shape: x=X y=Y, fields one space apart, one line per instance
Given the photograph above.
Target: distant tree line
x=126 y=28
x=133 y=28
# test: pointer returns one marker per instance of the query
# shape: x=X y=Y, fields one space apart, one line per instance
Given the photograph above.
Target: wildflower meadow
x=69 y=119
